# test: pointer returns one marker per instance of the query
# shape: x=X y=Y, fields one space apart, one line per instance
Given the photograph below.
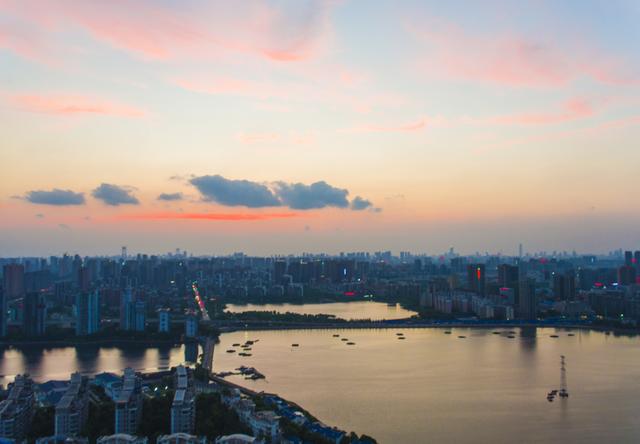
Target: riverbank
x=102 y=342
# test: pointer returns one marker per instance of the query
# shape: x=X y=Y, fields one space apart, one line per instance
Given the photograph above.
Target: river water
x=375 y=311
x=431 y=387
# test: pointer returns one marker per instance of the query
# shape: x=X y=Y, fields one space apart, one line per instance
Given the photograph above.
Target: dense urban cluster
x=170 y=297
x=171 y=407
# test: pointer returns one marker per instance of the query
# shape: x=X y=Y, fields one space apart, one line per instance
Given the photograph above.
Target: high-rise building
x=626 y=275
x=13 y=277
x=140 y=311
x=528 y=301
x=191 y=325
x=507 y=275
x=87 y=313
x=34 y=314
x=84 y=278
x=476 y=279
x=279 y=270
x=3 y=314
x=183 y=408
x=73 y=408
x=127 y=310
x=628 y=258
x=564 y=286
x=128 y=404
x=164 y=320
x=16 y=412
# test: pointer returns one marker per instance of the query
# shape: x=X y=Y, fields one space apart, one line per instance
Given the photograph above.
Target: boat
x=399 y=334
x=351 y=343
x=401 y=337
x=244 y=354
x=344 y=339
x=554 y=336
x=461 y=337
x=447 y=332
x=295 y=345
x=571 y=334
x=247 y=349
x=336 y=336
x=496 y=332
x=255 y=376
x=236 y=345
x=510 y=336
x=248 y=342
x=231 y=350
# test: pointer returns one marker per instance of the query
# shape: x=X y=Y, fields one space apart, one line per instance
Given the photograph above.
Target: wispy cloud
x=377 y=128
x=169 y=197
x=282 y=32
x=571 y=110
x=70 y=105
x=209 y=216
x=510 y=59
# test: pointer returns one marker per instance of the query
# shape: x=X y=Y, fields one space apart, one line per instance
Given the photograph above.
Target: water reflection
x=345 y=310
x=191 y=352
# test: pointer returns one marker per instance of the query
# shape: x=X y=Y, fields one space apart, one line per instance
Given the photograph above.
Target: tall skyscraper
x=476 y=279
x=84 y=278
x=3 y=314
x=140 y=312
x=13 y=276
x=528 y=301
x=129 y=404
x=183 y=408
x=34 y=314
x=16 y=412
x=73 y=408
x=164 y=320
x=127 y=310
x=87 y=313
x=191 y=325
x=507 y=275
x=279 y=270
x=564 y=285
x=628 y=258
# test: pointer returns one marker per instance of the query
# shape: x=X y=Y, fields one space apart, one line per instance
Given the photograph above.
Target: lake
x=376 y=311
x=431 y=387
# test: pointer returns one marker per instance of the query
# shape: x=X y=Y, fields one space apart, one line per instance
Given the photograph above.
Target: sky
x=277 y=127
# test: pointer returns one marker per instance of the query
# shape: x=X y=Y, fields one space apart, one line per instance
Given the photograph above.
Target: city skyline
x=285 y=127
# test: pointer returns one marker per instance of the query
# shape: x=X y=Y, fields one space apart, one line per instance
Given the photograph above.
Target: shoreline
x=61 y=343
x=350 y=325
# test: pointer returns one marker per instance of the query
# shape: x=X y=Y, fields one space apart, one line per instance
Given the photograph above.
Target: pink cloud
x=209 y=216
x=513 y=60
x=217 y=85
x=160 y=31
x=405 y=128
x=68 y=105
x=571 y=110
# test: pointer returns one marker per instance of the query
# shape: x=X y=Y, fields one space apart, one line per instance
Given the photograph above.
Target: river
x=431 y=387
x=376 y=311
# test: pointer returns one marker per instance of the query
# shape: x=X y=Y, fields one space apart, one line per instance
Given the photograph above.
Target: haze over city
x=322 y=126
